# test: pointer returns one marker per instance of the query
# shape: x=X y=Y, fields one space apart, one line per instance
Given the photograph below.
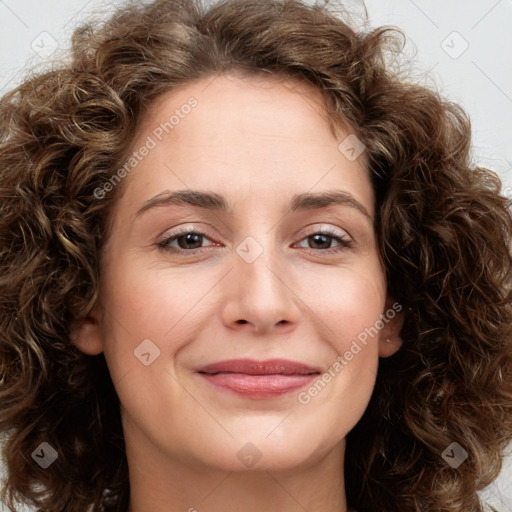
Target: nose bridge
x=258 y=265
x=262 y=296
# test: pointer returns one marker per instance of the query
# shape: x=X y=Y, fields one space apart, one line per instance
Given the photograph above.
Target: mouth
x=258 y=379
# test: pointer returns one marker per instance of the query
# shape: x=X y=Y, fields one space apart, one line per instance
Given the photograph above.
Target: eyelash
x=165 y=243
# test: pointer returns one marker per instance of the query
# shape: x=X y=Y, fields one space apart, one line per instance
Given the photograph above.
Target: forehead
x=294 y=99
x=245 y=131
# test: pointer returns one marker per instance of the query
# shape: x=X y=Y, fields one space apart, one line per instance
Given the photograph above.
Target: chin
x=262 y=452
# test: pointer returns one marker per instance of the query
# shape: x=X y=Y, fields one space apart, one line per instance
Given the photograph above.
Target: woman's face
x=250 y=282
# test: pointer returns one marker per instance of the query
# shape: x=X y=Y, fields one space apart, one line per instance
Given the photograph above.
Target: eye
x=190 y=241
x=185 y=239
x=325 y=237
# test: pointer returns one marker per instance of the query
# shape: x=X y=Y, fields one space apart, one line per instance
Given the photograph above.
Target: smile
x=259 y=379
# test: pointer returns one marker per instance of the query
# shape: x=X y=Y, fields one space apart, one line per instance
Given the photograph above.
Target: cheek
x=350 y=306
x=136 y=310
x=350 y=300
x=153 y=302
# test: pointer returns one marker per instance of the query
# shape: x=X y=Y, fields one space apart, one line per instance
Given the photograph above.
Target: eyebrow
x=216 y=202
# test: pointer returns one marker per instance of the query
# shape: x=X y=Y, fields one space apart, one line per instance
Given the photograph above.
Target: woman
x=253 y=370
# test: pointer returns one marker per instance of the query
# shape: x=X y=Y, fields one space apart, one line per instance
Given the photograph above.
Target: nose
x=260 y=295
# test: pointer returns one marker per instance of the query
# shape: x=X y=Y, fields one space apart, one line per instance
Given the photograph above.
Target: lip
x=271 y=378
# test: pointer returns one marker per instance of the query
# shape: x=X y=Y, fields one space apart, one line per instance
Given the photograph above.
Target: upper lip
x=253 y=367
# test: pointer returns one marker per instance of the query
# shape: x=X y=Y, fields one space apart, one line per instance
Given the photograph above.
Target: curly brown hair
x=444 y=235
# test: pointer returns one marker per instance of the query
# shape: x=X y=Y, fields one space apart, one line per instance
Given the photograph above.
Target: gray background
x=460 y=48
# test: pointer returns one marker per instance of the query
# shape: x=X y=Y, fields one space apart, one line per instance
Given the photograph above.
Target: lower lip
x=259 y=386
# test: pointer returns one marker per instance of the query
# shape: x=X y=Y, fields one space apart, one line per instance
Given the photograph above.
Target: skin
x=256 y=141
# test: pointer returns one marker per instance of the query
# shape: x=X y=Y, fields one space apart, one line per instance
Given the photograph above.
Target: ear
x=85 y=333
x=390 y=340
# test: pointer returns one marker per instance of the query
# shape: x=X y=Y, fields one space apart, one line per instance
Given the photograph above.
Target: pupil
x=190 y=238
x=317 y=237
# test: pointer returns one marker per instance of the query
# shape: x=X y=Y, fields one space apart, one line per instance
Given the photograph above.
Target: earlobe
x=390 y=340
x=85 y=333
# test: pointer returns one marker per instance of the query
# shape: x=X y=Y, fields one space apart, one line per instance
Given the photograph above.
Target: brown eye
x=187 y=241
x=322 y=240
